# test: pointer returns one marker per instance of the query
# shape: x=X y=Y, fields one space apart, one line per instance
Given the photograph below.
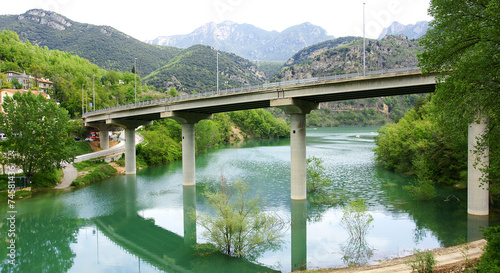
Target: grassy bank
x=92 y=172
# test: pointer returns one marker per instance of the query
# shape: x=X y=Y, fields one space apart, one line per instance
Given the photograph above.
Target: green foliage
x=37 y=132
x=45 y=179
x=240 y=227
x=98 y=173
x=422 y=261
x=71 y=74
x=462 y=45
x=195 y=68
x=102 y=45
x=490 y=260
x=356 y=219
x=423 y=145
x=318 y=183
x=259 y=123
x=162 y=143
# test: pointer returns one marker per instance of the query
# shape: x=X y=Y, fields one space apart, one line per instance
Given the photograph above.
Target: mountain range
x=412 y=31
x=249 y=41
x=102 y=45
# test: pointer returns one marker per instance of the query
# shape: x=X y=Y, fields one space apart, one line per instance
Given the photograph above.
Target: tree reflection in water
x=357 y=221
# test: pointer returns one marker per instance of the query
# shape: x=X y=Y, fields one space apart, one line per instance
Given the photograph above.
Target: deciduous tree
x=37 y=133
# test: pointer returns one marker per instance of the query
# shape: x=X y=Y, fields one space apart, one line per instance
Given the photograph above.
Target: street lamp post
x=82 y=100
x=93 y=90
x=135 y=78
x=364 y=46
x=217 y=71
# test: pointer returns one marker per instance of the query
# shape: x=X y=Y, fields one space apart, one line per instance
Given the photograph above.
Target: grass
x=83 y=147
x=97 y=171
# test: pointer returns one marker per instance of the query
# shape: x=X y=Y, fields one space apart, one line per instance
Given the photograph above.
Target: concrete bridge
x=297 y=98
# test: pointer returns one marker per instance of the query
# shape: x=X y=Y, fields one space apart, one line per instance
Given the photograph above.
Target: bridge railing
x=258 y=86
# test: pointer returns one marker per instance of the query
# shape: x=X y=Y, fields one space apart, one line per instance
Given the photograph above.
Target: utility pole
x=82 y=100
x=135 y=78
x=364 y=46
x=93 y=90
x=217 y=71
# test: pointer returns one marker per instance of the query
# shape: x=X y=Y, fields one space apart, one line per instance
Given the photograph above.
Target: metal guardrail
x=257 y=87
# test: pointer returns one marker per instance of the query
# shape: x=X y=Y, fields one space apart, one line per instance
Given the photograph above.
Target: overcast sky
x=147 y=19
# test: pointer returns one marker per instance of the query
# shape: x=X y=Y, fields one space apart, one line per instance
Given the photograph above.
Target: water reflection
x=475 y=224
x=189 y=207
x=162 y=248
x=42 y=238
x=299 y=234
x=357 y=222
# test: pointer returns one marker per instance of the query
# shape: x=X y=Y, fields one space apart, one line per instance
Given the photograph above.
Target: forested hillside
x=102 y=45
x=345 y=55
x=72 y=75
x=195 y=70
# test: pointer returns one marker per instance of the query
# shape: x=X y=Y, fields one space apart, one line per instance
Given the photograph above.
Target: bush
x=422 y=261
x=100 y=173
x=490 y=260
x=45 y=179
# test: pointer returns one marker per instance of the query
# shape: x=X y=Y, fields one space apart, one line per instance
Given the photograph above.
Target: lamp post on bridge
x=364 y=44
x=82 y=99
x=217 y=71
x=135 y=79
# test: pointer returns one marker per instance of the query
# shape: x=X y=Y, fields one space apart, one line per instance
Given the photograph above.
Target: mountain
x=345 y=55
x=249 y=41
x=102 y=45
x=411 y=31
x=393 y=51
x=195 y=70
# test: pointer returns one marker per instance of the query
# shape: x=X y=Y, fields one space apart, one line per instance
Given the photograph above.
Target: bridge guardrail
x=258 y=86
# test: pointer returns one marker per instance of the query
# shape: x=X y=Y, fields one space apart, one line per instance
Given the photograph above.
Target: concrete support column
x=187 y=120
x=129 y=126
x=477 y=188
x=103 y=132
x=298 y=156
x=188 y=155
x=130 y=166
x=104 y=138
x=297 y=109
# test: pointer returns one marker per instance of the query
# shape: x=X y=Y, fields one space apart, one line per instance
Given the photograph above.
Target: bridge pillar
x=130 y=126
x=477 y=189
x=187 y=120
x=297 y=109
x=103 y=132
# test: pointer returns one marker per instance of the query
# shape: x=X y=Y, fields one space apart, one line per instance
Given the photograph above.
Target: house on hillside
x=10 y=92
x=28 y=81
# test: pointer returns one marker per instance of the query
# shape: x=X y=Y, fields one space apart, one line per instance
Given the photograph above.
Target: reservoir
x=140 y=223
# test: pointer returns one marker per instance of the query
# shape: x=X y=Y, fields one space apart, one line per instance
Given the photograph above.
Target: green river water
x=139 y=223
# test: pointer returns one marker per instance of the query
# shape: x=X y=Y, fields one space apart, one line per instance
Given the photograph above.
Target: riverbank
x=450 y=259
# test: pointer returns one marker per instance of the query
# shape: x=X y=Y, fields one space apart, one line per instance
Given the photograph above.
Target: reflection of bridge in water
x=171 y=252
x=162 y=248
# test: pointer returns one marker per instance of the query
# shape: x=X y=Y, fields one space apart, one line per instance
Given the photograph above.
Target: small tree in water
x=240 y=227
x=357 y=221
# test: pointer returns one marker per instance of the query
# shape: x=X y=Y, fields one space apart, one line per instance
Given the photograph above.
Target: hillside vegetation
x=195 y=70
x=345 y=55
x=72 y=76
x=102 y=45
